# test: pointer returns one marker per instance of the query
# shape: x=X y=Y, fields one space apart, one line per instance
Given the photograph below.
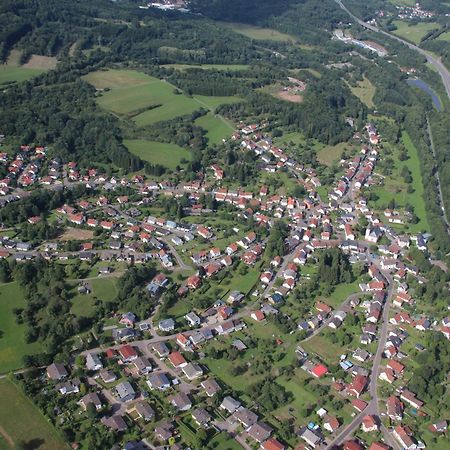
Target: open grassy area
x=12 y=335
x=331 y=153
x=414 y=33
x=259 y=33
x=223 y=442
x=365 y=91
x=216 y=127
x=444 y=37
x=233 y=67
x=145 y=99
x=168 y=155
x=395 y=188
x=21 y=421
x=11 y=74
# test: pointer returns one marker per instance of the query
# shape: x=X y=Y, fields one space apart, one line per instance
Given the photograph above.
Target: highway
x=437 y=63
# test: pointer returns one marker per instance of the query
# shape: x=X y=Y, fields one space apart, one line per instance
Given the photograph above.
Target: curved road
x=437 y=63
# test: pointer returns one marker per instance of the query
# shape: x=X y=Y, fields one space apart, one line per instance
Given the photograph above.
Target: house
x=258 y=316
x=128 y=319
x=319 y=371
x=357 y=386
x=369 y=423
x=192 y=319
x=359 y=405
x=439 y=427
x=125 y=391
x=194 y=282
x=192 y=371
x=142 y=365
x=107 y=376
x=93 y=362
x=395 y=366
x=177 y=359
x=201 y=417
x=142 y=410
x=164 y=432
x=166 y=325
x=410 y=397
x=127 y=353
x=158 y=381
x=379 y=446
x=260 y=432
x=387 y=375
x=404 y=438
x=272 y=444
x=352 y=445
x=181 y=401
x=361 y=355
x=331 y=424
x=394 y=408
x=161 y=349
x=311 y=438
x=93 y=398
x=69 y=387
x=116 y=423
x=56 y=371
x=211 y=387
x=245 y=417
x=230 y=405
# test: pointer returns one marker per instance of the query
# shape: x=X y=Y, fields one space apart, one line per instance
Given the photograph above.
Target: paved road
x=437 y=63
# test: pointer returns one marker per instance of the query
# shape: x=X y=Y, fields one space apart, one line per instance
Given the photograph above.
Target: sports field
x=168 y=155
x=414 y=33
x=22 y=422
x=145 y=99
x=216 y=127
x=12 y=343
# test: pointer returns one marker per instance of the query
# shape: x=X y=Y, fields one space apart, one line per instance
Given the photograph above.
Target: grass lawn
x=414 y=33
x=331 y=153
x=11 y=74
x=287 y=138
x=216 y=128
x=223 y=442
x=394 y=187
x=24 y=422
x=444 y=37
x=12 y=342
x=232 y=67
x=168 y=155
x=104 y=288
x=365 y=92
x=323 y=347
x=259 y=33
x=341 y=292
x=244 y=283
x=145 y=99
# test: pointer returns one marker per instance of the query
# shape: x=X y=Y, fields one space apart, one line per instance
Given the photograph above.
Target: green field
x=10 y=74
x=394 y=187
x=216 y=128
x=444 y=37
x=232 y=67
x=24 y=422
x=12 y=344
x=168 y=155
x=258 y=33
x=414 y=33
x=145 y=99
x=331 y=153
x=365 y=92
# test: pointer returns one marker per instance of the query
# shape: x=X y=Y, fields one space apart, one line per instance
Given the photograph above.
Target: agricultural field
x=225 y=67
x=414 y=33
x=21 y=422
x=167 y=155
x=145 y=99
x=12 y=335
x=365 y=91
x=258 y=33
x=216 y=128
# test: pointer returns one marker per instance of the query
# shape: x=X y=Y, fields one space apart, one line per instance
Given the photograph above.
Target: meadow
x=11 y=74
x=226 y=67
x=414 y=33
x=12 y=335
x=216 y=128
x=365 y=91
x=259 y=33
x=167 y=155
x=22 y=422
x=145 y=99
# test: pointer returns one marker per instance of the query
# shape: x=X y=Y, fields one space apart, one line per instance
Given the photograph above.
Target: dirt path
x=7 y=437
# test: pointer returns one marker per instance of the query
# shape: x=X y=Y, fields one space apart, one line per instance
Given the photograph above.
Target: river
x=416 y=82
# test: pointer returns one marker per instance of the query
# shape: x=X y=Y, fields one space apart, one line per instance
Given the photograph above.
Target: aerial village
x=159 y=378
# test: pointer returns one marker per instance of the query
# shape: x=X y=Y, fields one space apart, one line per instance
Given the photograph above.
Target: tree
x=91 y=411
